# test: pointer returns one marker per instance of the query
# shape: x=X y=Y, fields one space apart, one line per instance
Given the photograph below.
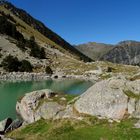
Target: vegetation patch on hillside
x=12 y=64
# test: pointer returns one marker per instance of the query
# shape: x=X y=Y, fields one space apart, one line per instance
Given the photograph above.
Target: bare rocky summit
x=126 y=52
x=94 y=50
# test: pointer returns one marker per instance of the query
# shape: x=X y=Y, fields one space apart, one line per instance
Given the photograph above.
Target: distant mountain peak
x=127 y=42
x=94 y=50
x=125 y=52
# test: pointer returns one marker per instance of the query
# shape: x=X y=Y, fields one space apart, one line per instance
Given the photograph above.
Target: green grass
x=70 y=97
x=131 y=94
x=89 y=129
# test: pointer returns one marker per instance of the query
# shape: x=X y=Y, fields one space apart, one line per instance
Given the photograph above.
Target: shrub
x=0 y=55
x=21 y=45
x=10 y=63
x=36 y=50
x=25 y=66
x=48 y=70
x=8 y=28
x=109 y=69
x=42 y=53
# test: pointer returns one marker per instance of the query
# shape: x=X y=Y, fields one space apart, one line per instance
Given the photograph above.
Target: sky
x=82 y=21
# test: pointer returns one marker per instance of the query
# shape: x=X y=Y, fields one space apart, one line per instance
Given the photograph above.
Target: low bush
x=36 y=50
x=48 y=70
x=25 y=66
x=12 y=64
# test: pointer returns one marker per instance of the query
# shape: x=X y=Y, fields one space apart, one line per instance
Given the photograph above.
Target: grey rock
x=137 y=125
x=30 y=108
x=14 y=125
x=136 y=113
x=131 y=105
x=104 y=99
x=108 y=99
x=4 y=125
x=126 y=52
x=133 y=86
x=23 y=76
x=48 y=110
x=7 y=139
x=1 y=137
x=67 y=113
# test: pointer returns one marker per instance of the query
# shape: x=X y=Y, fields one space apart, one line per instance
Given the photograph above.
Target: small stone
x=63 y=99
x=110 y=121
x=137 y=125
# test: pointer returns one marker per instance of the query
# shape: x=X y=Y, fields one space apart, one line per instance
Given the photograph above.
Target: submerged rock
x=109 y=99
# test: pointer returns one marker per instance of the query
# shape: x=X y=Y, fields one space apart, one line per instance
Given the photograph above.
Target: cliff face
x=126 y=52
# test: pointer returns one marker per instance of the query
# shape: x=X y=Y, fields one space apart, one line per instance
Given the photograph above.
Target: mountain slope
x=29 y=26
x=126 y=52
x=94 y=50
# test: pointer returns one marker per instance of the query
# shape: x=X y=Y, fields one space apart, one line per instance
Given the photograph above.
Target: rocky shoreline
x=118 y=98
x=25 y=76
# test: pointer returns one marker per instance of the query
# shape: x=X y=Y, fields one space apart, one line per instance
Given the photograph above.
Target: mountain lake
x=10 y=92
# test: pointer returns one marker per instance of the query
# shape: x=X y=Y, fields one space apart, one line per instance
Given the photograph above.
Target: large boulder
x=38 y=104
x=114 y=98
x=48 y=110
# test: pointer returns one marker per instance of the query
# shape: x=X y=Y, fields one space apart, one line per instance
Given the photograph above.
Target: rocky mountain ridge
x=125 y=52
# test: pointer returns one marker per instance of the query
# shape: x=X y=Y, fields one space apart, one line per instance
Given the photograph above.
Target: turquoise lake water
x=10 y=92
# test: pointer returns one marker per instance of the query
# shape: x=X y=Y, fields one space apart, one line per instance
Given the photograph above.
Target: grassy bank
x=89 y=129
